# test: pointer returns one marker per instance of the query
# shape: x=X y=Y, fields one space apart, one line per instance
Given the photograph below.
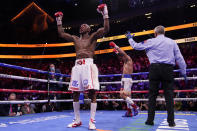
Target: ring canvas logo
x=30 y=121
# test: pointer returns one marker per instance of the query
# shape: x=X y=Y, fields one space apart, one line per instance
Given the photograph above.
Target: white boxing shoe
x=92 y=124
x=74 y=124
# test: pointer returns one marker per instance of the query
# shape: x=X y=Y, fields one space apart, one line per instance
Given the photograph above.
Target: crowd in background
x=110 y=65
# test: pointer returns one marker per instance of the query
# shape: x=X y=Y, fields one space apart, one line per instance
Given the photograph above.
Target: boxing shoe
x=74 y=124
x=92 y=124
x=128 y=113
x=135 y=109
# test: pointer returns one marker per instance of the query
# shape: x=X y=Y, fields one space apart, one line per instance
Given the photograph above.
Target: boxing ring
x=185 y=121
x=106 y=120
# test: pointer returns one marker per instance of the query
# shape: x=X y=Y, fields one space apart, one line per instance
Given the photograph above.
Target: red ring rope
x=68 y=92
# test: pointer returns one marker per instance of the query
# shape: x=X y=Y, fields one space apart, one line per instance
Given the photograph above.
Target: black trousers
x=161 y=73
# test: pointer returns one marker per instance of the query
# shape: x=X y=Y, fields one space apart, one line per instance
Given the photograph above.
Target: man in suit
x=54 y=86
x=10 y=109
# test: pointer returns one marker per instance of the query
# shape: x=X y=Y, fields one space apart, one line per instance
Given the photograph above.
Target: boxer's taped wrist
x=115 y=51
x=59 y=22
x=116 y=47
x=59 y=18
x=106 y=16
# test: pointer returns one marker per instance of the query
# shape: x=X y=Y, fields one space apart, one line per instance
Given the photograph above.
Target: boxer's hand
x=115 y=51
x=128 y=35
x=59 y=16
x=102 y=8
x=113 y=45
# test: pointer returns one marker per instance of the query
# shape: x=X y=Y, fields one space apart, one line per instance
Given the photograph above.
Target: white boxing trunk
x=127 y=82
x=84 y=75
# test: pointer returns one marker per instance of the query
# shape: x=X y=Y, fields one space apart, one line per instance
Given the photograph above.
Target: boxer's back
x=128 y=67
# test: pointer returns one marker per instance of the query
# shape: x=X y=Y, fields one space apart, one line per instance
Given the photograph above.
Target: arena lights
x=184 y=40
x=192 y=6
x=98 y=52
x=144 y=32
x=32 y=5
x=147 y=14
x=68 y=28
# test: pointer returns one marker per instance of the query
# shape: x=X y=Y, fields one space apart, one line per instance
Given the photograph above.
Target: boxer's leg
x=76 y=105
x=75 y=85
x=92 y=96
x=94 y=84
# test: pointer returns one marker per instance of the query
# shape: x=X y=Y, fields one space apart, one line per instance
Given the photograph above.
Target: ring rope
x=145 y=81
x=71 y=100
x=69 y=92
x=32 y=70
x=31 y=79
x=64 y=75
x=67 y=83
x=143 y=73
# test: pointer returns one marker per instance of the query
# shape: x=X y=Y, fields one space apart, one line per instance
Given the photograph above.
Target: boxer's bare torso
x=84 y=47
x=85 y=44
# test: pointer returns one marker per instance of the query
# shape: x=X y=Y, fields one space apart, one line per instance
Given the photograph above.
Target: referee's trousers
x=161 y=73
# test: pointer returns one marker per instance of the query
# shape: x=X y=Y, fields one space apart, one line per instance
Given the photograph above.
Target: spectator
x=27 y=109
x=10 y=109
x=54 y=86
x=48 y=107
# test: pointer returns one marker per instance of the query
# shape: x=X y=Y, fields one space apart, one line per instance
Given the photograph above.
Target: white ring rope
x=67 y=83
x=145 y=81
x=71 y=100
x=31 y=79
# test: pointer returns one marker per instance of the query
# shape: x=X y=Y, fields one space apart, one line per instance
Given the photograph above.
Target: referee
x=163 y=53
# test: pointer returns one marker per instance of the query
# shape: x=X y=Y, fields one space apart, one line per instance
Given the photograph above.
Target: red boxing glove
x=112 y=44
x=103 y=10
x=58 y=14
x=115 y=51
x=101 y=7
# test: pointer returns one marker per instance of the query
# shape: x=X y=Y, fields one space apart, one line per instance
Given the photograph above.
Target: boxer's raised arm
x=119 y=51
x=61 y=32
x=104 y=30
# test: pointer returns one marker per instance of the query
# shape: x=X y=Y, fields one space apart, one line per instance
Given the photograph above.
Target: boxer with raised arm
x=85 y=73
x=126 y=80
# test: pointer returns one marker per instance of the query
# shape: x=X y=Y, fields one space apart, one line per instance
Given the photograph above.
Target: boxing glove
x=113 y=45
x=103 y=10
x=59 y=16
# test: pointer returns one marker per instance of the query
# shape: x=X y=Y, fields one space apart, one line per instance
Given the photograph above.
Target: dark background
x=124 y=15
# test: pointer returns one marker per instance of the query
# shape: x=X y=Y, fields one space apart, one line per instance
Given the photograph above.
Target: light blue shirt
x=161 y=50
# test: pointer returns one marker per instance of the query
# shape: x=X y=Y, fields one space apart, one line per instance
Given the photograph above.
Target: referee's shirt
x=161 y=50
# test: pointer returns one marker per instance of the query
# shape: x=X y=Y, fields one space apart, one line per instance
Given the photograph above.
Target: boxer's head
x=84 y=28
x=159 y=30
